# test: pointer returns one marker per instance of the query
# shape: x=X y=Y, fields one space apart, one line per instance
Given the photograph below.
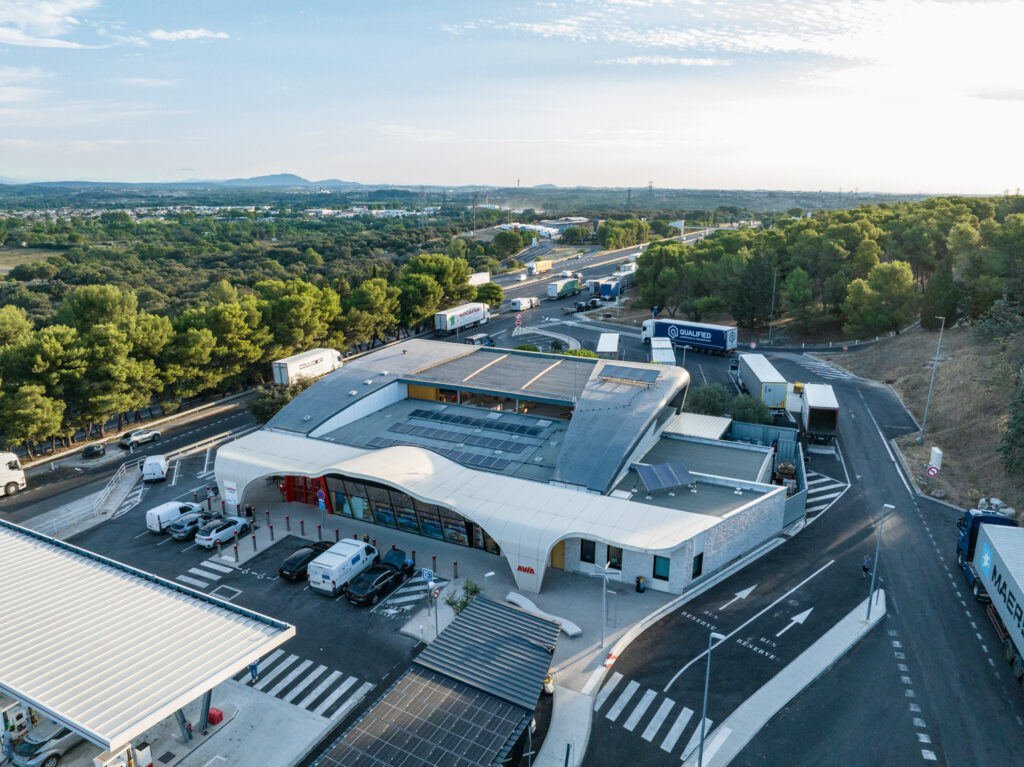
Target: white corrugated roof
x=108 y=650
x=698 y=425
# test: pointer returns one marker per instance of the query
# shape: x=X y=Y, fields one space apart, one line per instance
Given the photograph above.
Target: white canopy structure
x=108 y=650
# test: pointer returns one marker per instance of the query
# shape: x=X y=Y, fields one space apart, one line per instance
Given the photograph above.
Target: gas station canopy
x=107 y=650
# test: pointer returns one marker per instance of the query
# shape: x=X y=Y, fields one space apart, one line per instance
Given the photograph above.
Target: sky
x=873 y=95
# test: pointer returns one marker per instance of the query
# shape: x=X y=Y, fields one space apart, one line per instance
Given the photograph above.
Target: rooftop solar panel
x=633 y=375
x=477 y=423
x=664 y=476
x=447 y=435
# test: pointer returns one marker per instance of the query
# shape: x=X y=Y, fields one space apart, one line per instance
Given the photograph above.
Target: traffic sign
x=320 y=494
x=846 y=348
x=933 y=471
x=753 y=344
x=519 y=319
x=323 y=506
x=436 y=592
x=427 y=575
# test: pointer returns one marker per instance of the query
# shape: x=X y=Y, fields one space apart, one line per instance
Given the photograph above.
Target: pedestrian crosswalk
x=204 y=574
x=304 y=683
x=823 y=370
x=408 y=596
x=822 y=492
x=664 y=727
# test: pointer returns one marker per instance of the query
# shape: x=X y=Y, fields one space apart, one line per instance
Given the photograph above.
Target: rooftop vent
x=353 y=392
x=383 y=372
x=368 y=381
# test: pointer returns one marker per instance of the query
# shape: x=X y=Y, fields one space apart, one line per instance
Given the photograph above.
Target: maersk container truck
x=990 y=549
x=702 y=336
x=461 y=317
x=819 y=413
x=311 y=364
x=536 y=267
x=563 y=288
x=761 y=380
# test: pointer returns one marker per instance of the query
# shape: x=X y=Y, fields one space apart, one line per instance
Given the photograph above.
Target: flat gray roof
x=721 y=459
x=712 y=500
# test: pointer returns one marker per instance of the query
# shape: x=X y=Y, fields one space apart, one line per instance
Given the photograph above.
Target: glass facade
x=614 y=557
x=587 y=551
x=661 y=568
x=371 y=502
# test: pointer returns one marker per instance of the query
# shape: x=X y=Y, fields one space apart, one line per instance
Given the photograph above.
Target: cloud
x=658 y=61
x=146 y=82
x=16 y=84
x=35 y=24
x=412 y=133
x=187 y=34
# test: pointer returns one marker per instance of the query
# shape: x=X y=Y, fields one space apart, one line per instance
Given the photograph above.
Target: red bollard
x=268 y=517
x=392 y=547
x=236 y=552
x=374 y=543
x=337 y=535
x=209 y=503
x=218 y=548
x=319 y=537
x=195 y=496
x=222 y=508
x=414 y=557
x=254 y=541
x=356 y=536
x=287 y=523
x=238 y=509
x=271 y=532
x=302 y=527
x=455 y=568
x=434 y=565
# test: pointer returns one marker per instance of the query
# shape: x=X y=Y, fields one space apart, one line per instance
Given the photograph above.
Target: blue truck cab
x=967 y=540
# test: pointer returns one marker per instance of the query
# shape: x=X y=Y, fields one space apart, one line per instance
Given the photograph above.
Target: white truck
x=526 y=302
x=476 y=279
x=537 y=267
x=608 y=346
x=12 y=476
x=311 y=364
x=999 y=562
x=760 y=379
x=819 y=413
x=461 y=317
x=331 y=572
x=662 y=352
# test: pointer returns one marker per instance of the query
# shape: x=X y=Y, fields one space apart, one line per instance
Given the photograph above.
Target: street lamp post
x=602 y=573
x=935 y=366
x=486 y=577
x=704 y=710
x=685 y=350
x=878 y=548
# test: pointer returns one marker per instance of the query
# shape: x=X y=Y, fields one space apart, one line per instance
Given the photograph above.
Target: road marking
x=319 y=689
x=595 y=677
x=640 y=710
x=206 y=463
x=204 y=574
x=885 y=443
x=174 y=479
x=751 y=620
x=266 y=678
x=659 y=718
x=354 y=700
x=290 y=677
x=624 y=698
x=929 y=755
x=144 y=532
x=333 y=697
x=192 y=581
x=694 y=741
x=306 y=682
x=607 y=690
x=219 y=568
x=677 y=729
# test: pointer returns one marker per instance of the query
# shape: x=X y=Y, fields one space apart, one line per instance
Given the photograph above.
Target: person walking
x=866 y=567
x=254 y=670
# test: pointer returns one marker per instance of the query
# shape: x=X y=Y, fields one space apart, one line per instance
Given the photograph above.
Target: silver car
x=221 y=531
x=42 y=749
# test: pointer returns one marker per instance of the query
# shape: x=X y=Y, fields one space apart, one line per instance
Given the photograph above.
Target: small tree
x=749 y=410
x=577 y=353
x=527 y=348
x=270 y=399
x=490 y=293
x=557 y=346
x=709 y=399
x=459 y=600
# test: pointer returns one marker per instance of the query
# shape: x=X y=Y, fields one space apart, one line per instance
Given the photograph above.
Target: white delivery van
x=331 y=572
x=154 y=469
x=160 y=519
x=528 y=302
x=12 y=477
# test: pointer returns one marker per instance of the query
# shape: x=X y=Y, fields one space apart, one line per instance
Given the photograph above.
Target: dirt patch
x=974 y=386
x=12 y=257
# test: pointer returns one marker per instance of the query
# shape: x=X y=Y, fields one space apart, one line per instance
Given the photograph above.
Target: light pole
x=685 y=350
x=486 y=576
x=602 y=573
x=704 y=710
x=935 y=365
x=878 y=547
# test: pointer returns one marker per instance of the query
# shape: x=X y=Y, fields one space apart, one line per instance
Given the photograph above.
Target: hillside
x=973 y=389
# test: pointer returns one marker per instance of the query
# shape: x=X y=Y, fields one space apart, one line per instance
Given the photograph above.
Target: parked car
x=138 y=437
x=296 y=564
x=594 y=303
x=188 y=525
x=221 y=531
x=381 y=579
x=94 y=451
x=44 y=749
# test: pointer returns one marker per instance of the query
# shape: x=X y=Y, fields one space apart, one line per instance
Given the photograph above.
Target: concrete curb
x=726 y=741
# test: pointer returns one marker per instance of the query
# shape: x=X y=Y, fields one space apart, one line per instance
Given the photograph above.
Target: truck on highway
x=990 y=551
x=563 y=288
x=819 y=413
x=662 y=352
x=461 y=317
x=311 y=364
x=608 y=289
x=477 y=279
x=526 y=302
x=760 y=379
x=702 y=336
x=12 y=476
x=537 y=267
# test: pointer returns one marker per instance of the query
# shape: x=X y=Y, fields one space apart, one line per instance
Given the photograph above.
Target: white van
x=12 y=477
x=160 y=519
x=521 y=304
x=331 y=572
x=154 y=469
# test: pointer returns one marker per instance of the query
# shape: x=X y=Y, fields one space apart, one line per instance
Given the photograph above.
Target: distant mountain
x=275 y=179
x=336 y=183
x=6 y=180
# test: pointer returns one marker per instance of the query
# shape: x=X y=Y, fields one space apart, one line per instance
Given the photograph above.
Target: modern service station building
x=545 y=460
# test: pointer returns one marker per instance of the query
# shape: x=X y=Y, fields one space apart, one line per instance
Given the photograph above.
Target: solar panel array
x=633 y=375
x=459 y=456
x=426 y=720
x=477 y=440
x=477 y=423
x=663 y=476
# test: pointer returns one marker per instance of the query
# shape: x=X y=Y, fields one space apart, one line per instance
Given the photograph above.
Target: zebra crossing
x=302 y=682
x=822 y=492
x=666 y=726
x=204 y=574
x=411 y=594
x=823 y=370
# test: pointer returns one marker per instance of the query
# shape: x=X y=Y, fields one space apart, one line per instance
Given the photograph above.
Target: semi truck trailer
x=563 y=288
x=819 y=413
x=537 y=267
x=760 y=379
x=702 y=336
x=461 y=317
x=311 y=364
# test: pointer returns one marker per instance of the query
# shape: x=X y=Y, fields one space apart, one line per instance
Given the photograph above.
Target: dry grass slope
x=973 y=389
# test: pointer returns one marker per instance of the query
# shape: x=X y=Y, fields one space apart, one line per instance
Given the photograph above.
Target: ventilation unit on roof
x=383 y=372
x=306 y=417
x=368 y=381
x=353 y=392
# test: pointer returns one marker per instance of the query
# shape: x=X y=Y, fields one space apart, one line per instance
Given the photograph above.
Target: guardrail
x=122 y=470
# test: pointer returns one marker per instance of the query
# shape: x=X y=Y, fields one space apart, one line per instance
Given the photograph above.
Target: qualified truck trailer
x=990 y=550
x=461 y=317
x=562 y=288
x=760 y=379
x=702 y=336
x=819 y=413
x=311 y=364
x=537 y=267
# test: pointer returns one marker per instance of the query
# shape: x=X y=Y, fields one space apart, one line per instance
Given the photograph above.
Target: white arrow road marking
x=747 y=622
x=739 y=595
x=795 y=620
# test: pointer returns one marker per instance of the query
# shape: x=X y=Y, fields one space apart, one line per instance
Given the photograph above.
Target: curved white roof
x=525 y=518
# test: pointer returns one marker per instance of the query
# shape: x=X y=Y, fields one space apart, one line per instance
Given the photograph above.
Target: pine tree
x=940 y=298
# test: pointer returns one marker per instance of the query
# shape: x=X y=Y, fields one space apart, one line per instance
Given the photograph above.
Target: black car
x=381 y=579
x=187 y=525
x=94 y=451
x=294 y=567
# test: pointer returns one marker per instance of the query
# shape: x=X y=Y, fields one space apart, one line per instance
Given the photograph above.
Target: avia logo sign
x=526 y=569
